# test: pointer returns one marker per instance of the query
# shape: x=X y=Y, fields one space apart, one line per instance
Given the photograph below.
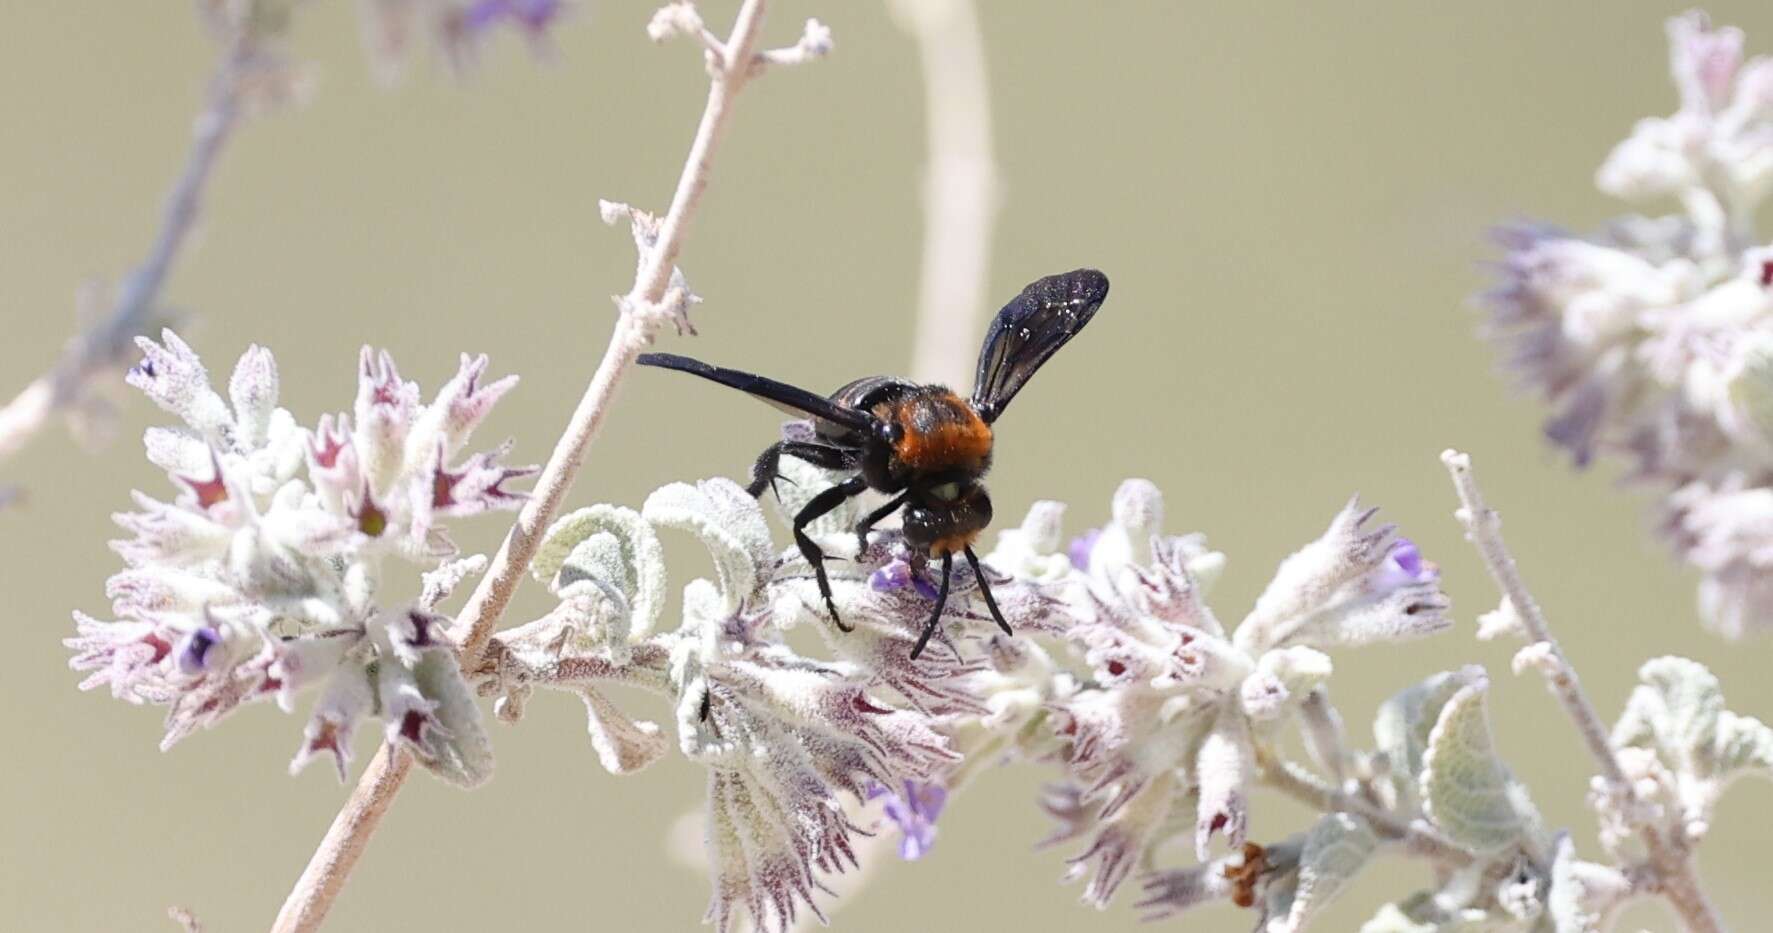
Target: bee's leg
x=868 y=522
x=985 y=590
x=766 y=470
x=822 y=503
x=936 y=616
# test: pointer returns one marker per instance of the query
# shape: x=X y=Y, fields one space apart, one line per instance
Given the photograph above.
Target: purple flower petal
x=891 y=577
x=914 y=810
x=194 y=655
x=1404 y=566
x=1081 y=546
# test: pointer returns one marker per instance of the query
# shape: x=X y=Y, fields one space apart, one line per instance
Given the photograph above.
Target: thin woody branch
x=99 y=353
x=1673 y=865
x=642 y=315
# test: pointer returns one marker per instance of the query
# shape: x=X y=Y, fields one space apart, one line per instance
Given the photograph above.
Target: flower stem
x=337 y=854
x=99 y=352
x=1673 y=865
x=959 y=187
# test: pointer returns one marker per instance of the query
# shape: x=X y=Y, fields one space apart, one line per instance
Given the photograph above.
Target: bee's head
x=945 y=513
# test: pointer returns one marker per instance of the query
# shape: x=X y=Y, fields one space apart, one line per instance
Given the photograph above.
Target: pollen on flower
x=371 y=520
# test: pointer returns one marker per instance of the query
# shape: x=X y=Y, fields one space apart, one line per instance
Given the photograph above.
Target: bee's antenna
x=985 y=590
x=941 y=600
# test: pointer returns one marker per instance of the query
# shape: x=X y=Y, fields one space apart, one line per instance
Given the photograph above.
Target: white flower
x=1176 y=703
x=259 y=581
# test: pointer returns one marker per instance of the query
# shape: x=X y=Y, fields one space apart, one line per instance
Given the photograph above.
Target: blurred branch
x=1670 y=860
x=100 y=352
x=658 y=296
x=960 y=187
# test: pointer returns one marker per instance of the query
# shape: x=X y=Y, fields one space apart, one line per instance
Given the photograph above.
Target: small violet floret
x=914 y=809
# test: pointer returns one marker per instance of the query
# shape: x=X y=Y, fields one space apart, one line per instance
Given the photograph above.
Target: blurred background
x=1290 y=199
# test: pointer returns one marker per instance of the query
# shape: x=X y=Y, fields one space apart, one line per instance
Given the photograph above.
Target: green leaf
x=1465 y=788
x=1403 y=722
x=460 y=751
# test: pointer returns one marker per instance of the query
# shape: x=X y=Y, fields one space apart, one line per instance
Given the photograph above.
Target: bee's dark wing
x=1031 y=328
x=793 y=400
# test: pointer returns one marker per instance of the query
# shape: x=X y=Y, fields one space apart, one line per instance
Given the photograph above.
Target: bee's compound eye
x=946 y=492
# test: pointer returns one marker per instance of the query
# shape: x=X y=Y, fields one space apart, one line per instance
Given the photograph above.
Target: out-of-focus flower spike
x=1703 y=61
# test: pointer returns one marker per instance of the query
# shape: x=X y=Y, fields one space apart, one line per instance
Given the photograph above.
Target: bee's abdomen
x=941 y=432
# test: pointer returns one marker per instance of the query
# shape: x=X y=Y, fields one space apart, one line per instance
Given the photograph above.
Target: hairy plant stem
x=350 y=832
x=100 y=351
x=1676 y=879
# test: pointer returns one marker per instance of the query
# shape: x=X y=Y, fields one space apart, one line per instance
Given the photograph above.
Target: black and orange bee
x=923 y=445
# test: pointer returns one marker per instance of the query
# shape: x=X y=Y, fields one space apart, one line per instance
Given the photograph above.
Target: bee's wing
x=1031 y=328
x=791 y=399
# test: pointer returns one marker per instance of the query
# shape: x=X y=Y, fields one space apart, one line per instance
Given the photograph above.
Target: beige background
x=1290 y=200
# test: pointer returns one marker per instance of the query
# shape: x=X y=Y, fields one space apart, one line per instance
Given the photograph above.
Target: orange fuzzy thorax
x=941 y=432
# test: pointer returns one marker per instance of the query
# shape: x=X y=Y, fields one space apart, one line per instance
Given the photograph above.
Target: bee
x=924 y=446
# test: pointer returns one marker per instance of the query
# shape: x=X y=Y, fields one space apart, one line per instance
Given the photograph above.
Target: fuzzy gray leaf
x=615 y=550
x=1583 y=894
x=460 y=753
x=623 y=745
x=1691 y=699
x=1465 y=788
x=728 y=522
x=1337 y=847
x=1403 y=722
x=1744 y=745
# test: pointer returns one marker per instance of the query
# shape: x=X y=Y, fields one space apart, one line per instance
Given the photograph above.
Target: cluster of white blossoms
x=792 y=743
x=267 y=574
x=1653 y=340
x=1118 y=670
x=270 y=573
